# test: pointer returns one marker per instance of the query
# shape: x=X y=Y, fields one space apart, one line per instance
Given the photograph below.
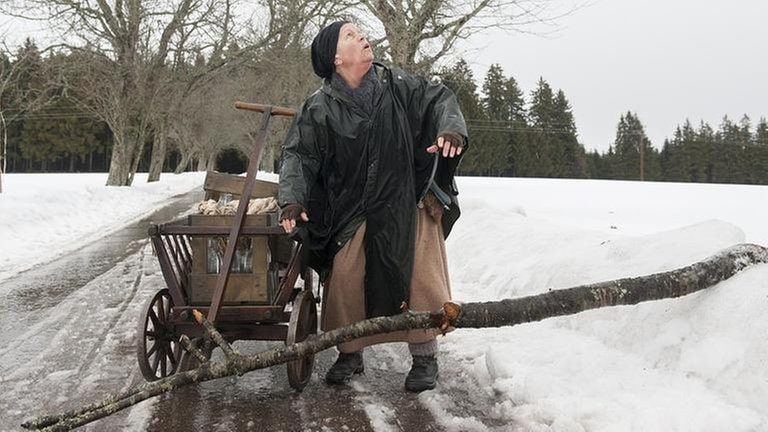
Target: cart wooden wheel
x=302 y=324
x=159 y=350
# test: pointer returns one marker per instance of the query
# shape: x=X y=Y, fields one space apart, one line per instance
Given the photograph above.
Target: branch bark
x=628 y=291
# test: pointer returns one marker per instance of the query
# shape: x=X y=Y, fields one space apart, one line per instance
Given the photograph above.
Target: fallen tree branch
x=628 y=291
x=229 y=352
x=509 y=312
x=192 y=349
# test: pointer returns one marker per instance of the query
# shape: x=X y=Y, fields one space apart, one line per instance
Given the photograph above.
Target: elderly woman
x=368 y=166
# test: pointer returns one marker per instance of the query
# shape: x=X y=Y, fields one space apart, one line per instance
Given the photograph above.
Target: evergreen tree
x=688 y=153
x=598 y=166
x=542 y=109
x=519 y=153
x=460 y=80
x=727 y=141
x=30 y=82
x=672 y=158
x=630 y=143
x=573 y=152
x=746 y=152
x=515 y=102
x=497 y=126
x=549 y=159
x=494 y=94
x=760 y=161
x=705 y=149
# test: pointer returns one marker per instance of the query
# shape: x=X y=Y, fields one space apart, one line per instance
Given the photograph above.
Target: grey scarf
x=363 y=96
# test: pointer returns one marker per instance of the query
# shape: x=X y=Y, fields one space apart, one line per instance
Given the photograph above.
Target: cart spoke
x=152 y=350
x=156 y=361
x=161 y=308
x=167 y=313
x=151 y=333
x=155 y=320
x=163 y=364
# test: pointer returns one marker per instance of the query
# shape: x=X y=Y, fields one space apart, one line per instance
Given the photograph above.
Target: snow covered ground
x=43 y=216
x=699 y=363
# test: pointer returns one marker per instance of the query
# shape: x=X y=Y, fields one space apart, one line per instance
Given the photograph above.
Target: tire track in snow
x=128 y=300
x=99 y=320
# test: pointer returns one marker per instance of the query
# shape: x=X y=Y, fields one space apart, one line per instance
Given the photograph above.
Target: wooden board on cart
x=217 y=183
x=242 y=288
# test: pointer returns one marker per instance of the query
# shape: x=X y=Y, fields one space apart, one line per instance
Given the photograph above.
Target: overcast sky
x=666 y=60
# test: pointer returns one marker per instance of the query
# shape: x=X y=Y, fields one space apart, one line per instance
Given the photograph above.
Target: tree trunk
x=201 y=163
x=126 y=154
x=138 y=151
x=268 y=159
x=182 y=166
x=2 y=165
x=210 y=164
x=3 y=149
x=119 y=164
x=158 y=156
x=508 y=312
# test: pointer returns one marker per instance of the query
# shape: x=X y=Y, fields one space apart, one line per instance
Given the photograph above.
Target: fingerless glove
x=291 y=211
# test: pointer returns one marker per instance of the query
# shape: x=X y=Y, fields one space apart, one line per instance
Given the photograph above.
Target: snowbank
x=43 y=216
x=691 y=364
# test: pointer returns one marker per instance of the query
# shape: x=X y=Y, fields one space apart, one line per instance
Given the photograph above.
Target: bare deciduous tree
x=126 y=44
x=417 y=33
x=247 y=56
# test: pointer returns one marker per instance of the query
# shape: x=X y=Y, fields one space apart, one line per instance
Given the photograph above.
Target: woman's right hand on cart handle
x=289 y=214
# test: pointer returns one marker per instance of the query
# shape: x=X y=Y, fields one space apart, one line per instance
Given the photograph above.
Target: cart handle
x=276 y=110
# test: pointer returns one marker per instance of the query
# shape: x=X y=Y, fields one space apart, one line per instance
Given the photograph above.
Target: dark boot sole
x=344 y=379
x=420 y=387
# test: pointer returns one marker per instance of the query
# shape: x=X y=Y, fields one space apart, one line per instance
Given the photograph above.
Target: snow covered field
x=43 y=216
x=699 y=363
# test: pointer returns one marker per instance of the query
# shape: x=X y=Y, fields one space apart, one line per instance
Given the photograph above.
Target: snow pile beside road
x=43 y=216
x=697 y=363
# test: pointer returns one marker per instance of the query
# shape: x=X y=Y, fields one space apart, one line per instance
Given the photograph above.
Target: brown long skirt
x=344 y=292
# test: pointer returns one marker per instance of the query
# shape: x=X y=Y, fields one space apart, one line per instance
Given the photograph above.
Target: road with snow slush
x=68 y=338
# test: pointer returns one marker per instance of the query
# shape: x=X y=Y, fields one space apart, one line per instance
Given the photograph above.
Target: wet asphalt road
x=69 y=325
x=68 y=339
x=24 y=298
x=374 y=401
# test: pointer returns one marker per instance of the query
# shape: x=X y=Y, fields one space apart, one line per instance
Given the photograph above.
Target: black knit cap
x=324 y=49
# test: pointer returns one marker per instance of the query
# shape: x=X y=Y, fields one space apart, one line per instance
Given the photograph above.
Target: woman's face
x=352 y=48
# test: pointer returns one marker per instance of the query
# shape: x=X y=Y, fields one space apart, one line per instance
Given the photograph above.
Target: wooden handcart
x=248 y=292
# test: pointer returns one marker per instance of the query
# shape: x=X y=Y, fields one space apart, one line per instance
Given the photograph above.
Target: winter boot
x=345 y=367
x=423 y=374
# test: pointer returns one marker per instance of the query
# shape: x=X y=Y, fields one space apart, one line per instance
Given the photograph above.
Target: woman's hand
x=451 y=143
x=289 y=214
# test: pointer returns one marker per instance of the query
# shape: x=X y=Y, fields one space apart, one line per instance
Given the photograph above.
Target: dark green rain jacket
x=346 y=167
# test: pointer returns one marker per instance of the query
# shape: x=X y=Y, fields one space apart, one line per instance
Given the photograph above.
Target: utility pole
x=3 y=149
x=642 y=154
